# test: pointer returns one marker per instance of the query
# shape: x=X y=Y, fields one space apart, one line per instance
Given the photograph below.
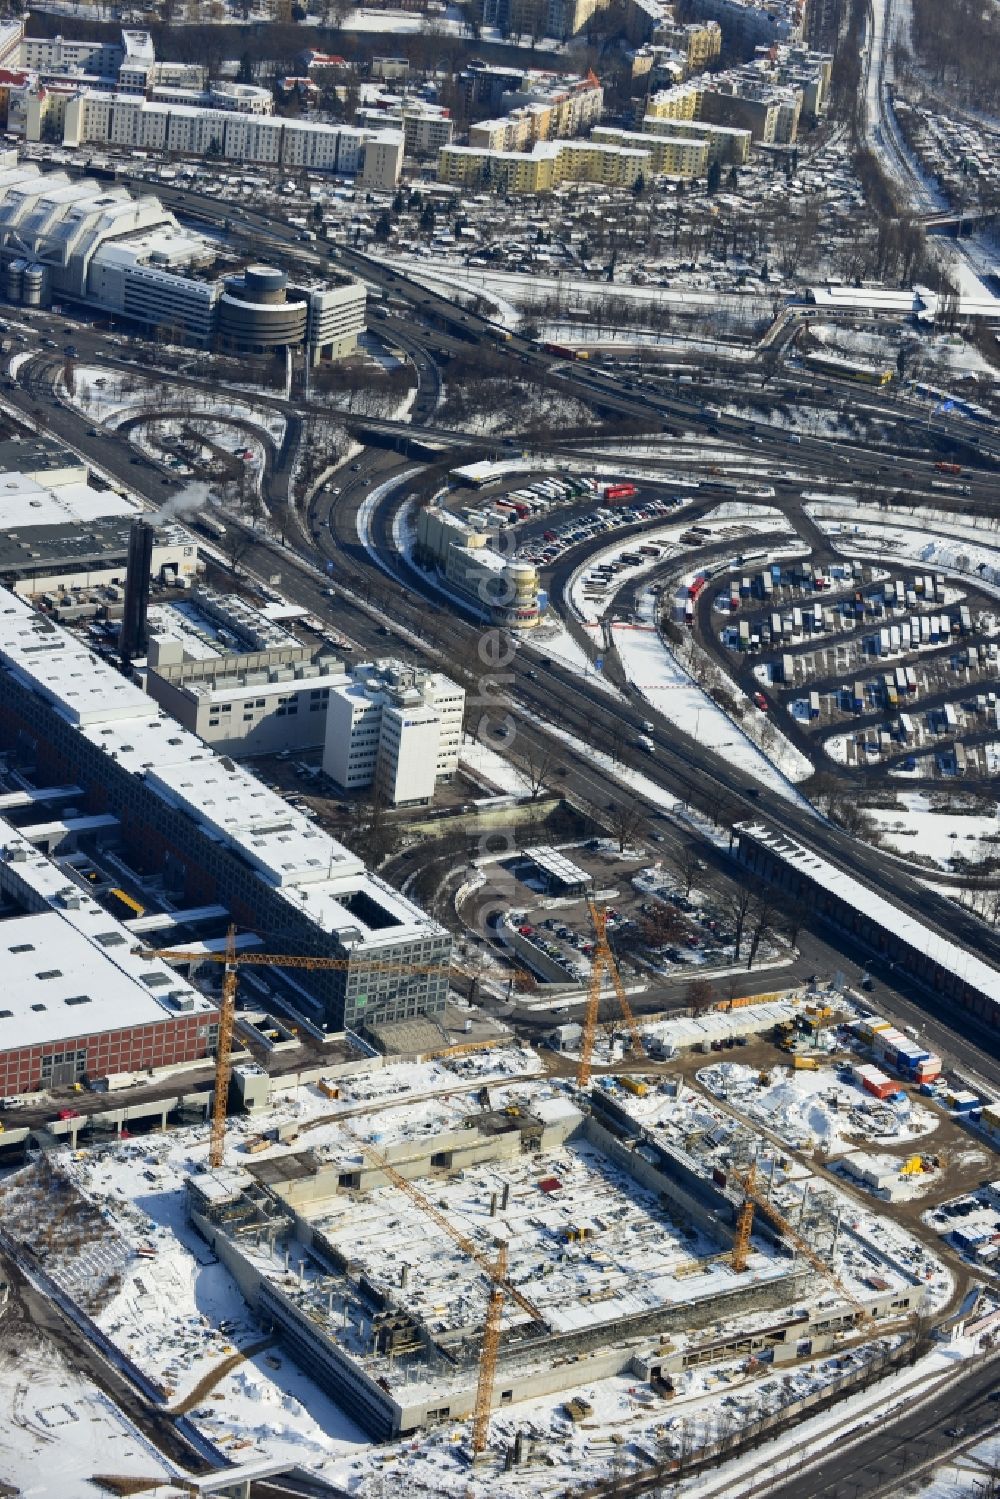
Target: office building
x=82 y=241
x=493 y=587
x=397 y=728
x=236 y=678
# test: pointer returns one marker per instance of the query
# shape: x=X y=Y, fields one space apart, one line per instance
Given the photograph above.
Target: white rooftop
x=26 y=502
x=884 y=913
x=313 y=871
x=80 y=686
x=69 y=969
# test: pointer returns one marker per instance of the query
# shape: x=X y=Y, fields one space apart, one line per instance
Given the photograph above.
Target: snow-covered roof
x=313 y=872
x=553 y=863
x=948 y=955
x=25 y=502
x=69 y=968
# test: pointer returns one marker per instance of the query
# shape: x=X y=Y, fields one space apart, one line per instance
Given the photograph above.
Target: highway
x=889 y=1456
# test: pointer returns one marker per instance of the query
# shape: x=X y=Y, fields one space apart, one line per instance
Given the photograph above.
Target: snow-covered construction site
x=640 y=1251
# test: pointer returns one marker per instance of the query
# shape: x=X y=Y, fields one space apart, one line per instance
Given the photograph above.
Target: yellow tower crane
x=752 y=1199
x=233 y=961
x=603 y=959
x=490 y=1353
x=501 y=1287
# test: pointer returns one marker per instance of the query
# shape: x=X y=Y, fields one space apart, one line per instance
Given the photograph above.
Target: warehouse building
x=59 y=533
x=77 y=1002
x=212 y=830
x=955 y=975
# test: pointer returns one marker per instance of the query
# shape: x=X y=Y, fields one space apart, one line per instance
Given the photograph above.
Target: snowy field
x=941 y=834
x=934 y=540
x=809 y=1109
x=673 y=691
x=57 y=1429
x=483 y=762
x=177 y=1311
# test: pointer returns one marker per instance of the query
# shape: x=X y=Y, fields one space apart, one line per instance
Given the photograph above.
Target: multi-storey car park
x=211 y=830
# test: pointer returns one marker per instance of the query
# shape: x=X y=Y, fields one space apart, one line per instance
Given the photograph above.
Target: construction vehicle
x=634 y=1085
x=752 y=1200
x=603 y=958
x=233 y=961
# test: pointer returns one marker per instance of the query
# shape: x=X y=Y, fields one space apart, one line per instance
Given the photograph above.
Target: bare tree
x=626 y=819
x=687 y=868
x=537 y=765
x=662 y=925
x=736 y=902
x=236 y=546
x=700 y=996
x=764 y=918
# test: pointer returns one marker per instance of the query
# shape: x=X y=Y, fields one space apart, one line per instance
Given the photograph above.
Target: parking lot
x=661 y=922
x=878 y=668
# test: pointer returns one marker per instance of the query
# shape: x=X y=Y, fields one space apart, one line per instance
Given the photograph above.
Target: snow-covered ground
x=110 y=398
x=552 y=639
x=933 y=538
x=941 y=834
x=512 y=291
x=815 y=1108
x=481 y=760
x=57 y=1430
x=669 y=687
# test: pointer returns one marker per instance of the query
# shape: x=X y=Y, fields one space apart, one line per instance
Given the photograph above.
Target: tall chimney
x=132 y=641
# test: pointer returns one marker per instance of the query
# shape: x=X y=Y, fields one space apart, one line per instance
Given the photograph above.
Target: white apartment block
x=395 y=727
x=94 y=116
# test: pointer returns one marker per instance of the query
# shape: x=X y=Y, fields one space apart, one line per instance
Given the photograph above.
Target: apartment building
x=613 y=158
x=699 y=41
x=425 y=127
x=395 y=727
x=727 y=144
x=742 y=99
x=669 y=155
x=85 y=116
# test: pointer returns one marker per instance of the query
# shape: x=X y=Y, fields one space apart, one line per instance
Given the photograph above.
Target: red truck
x=948 y=468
